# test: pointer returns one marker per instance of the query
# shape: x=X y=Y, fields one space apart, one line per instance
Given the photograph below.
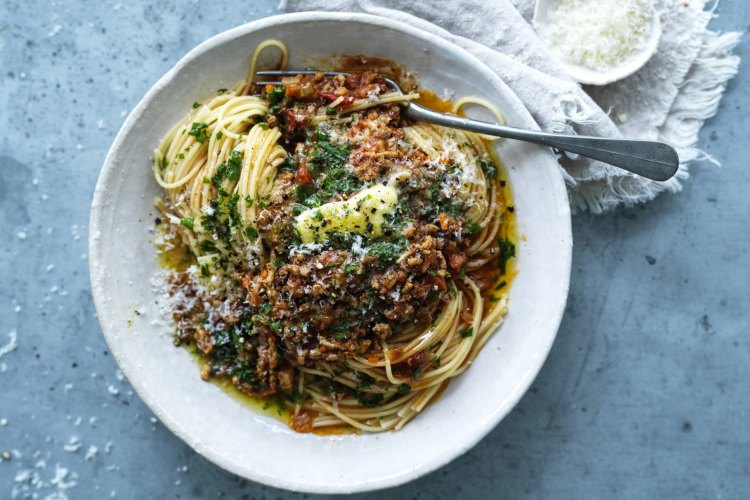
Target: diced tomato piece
x=457 y=260
x=303 y=174
x=330 y=97
x=293 y=90
x=302 y=422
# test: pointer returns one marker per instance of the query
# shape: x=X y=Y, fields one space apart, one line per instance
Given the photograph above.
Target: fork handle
x=651 y=159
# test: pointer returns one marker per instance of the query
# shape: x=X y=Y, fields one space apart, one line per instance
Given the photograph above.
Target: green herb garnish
x=386 y=251
x=198 y=131
x=250 y=232
x=403 y=389
x=507 y=252
x=466 y=332
x=489 y=169
x=229 y=170
x=276 y=95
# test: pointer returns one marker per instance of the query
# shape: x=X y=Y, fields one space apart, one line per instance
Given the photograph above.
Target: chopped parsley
x=337 y=180
x=507 y=252
x=221 y=219
x=304 y=192
x=466 y=332
x=187 y=222
x=198 y=131
x=369 y=400
x=330 y=154
x=313 y=201
x=250 y=232
x=288 y=165
x=387 y=251
x=276 y=325
x=437 y=203
x=474 y=228
x=263 y=201
x=276 y=95
x=229 y=170
x=489 y=169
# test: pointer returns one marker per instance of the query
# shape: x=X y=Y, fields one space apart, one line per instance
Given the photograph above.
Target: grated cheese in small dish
x=599 y=41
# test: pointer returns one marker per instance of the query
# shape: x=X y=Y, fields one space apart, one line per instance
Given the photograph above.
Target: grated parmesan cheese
x=599 y=34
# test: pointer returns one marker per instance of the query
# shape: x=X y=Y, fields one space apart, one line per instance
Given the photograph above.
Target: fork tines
x=290 y=72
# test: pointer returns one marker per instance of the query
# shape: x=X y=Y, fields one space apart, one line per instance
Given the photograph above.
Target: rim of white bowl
x=96 y=266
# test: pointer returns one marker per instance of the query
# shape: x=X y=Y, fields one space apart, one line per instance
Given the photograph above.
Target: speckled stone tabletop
x=646 y=393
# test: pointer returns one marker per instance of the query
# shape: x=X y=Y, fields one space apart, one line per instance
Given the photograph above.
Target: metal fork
x=651 y=159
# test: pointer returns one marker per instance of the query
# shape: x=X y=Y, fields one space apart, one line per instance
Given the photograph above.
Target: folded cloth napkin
x=668 y=99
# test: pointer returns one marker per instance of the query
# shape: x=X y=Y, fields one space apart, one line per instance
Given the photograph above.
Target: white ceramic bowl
x=122 y=262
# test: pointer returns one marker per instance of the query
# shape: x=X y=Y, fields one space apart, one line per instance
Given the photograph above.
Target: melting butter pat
x=363 y=213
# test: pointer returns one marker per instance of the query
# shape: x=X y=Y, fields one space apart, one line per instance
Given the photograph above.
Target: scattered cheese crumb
x=11 y=345
x=74 y=444
x=91 y=453
x=61 y=475
x=55 y=30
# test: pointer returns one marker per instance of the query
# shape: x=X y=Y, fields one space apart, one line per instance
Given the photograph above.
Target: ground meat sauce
x=341 y=299
x=330 y=310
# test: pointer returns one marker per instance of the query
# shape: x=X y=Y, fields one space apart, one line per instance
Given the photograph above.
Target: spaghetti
x=340 y=257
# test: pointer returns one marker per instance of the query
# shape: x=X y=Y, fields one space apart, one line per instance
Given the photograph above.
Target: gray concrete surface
x=646 y=393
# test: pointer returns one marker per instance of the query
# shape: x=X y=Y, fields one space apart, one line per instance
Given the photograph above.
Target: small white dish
x=253 y=445
x=626 y=68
